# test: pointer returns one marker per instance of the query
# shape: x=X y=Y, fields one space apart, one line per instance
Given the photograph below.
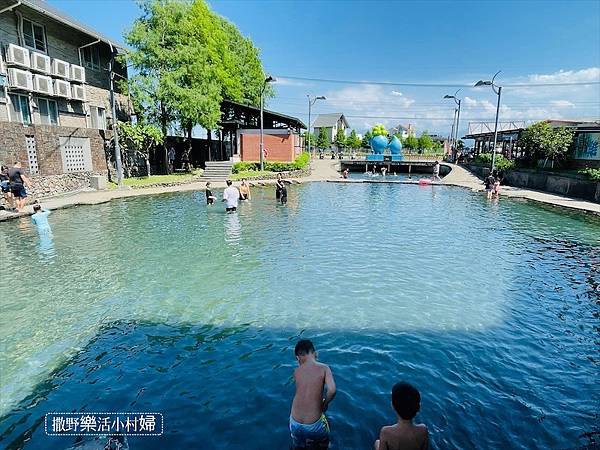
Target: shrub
x=593 y=174
x=485 y=159
x=301 y=162
x=244 y=167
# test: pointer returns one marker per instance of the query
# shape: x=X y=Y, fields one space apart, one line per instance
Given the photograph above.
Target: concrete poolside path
x=322 y=170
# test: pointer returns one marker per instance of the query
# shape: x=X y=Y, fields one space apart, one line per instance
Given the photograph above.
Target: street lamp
x=310 y=103
x=269 y=79
x=455 y=128
x=498 y=93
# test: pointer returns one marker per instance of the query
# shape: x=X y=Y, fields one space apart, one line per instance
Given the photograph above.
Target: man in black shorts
x=18 y=181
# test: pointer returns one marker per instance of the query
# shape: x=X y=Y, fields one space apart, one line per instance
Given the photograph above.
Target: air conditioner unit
x=62 y=88
x=17 y=55
x=43 y=84
x=78 y=92
x=40 y=62
x=77 y=73
x=20 y=79
x=60 y=68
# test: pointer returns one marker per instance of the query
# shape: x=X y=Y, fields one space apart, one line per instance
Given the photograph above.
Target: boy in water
x=210 y=198
x=308 y=424
x=404 y=435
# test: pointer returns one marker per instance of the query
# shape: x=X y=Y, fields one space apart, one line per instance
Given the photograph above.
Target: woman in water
x=279 y=186
x=244 y=190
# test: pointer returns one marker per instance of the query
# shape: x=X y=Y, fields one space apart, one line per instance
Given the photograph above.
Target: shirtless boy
x=404 y=435
x=308 y=425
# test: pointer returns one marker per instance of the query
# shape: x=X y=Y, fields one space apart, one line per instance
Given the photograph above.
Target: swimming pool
x=160 y=304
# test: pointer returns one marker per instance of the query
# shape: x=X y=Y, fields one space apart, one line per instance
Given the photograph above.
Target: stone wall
x=58 y=184
x=544 y=181
x=13 y=147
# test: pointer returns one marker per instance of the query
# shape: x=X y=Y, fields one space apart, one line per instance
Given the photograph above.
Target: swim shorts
x=314 y=435
x=18 y=190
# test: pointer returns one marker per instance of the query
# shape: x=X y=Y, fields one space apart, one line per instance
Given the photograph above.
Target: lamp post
x=455 y=127
x=498 y=93
x=269 y=79
x=310 y=103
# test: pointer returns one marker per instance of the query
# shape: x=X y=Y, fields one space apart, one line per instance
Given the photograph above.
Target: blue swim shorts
x=314 y=435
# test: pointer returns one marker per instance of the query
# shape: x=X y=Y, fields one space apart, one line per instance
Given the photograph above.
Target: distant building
x=404 y=131
x=585 y=148
x=55 y=109
x=331 y=123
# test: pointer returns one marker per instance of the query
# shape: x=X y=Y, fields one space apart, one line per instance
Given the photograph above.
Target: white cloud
x=282 y=81
x=568 y=76
x=397 y=93
x=562 y=104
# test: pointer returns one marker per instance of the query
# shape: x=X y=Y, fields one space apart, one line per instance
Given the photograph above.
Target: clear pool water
x=160 y=304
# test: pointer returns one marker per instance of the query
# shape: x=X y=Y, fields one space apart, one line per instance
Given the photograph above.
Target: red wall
x=279 y=147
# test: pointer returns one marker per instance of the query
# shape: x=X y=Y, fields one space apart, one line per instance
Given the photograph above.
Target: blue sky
x=455 y=42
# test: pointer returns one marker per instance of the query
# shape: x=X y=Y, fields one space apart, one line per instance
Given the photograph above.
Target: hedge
x=301 y=162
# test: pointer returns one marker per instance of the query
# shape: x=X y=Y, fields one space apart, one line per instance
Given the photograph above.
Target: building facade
x=55 y=103
x=331 y=123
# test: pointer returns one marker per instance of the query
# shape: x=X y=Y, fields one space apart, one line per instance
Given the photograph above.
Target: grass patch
x=158 y=179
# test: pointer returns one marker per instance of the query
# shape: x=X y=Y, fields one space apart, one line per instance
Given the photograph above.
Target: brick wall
x=280 y=147
x=13 y=147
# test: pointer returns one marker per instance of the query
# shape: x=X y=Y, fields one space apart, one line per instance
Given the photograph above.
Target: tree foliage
x=186 y=60
x=411 y=143
x=542 y=140
x=140 y=138
x=353 y=141
x=425 y=142
x=366 y=140
x=309 y=137
x=340 y=139
x=323 y=139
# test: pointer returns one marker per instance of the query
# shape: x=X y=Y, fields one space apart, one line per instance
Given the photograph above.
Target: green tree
x=366 y=140
x=353 y=140
x=323 y=140
x=340 y=139
x=542 y=140
x=411 y=143
x=141 y=139
x=309 y=137
x=186 y=60
x=425 y=142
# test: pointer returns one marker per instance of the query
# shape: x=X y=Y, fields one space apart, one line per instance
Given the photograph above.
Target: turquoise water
x=160 y=304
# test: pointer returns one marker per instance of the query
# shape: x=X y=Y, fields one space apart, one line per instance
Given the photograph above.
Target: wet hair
x=304 y=347
x=207 y=183
x=228 y=182
x=406 y=400
x=3 y=168
x=37 y=207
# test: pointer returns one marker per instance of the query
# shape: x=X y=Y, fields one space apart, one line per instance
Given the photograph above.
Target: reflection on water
x=162 y=303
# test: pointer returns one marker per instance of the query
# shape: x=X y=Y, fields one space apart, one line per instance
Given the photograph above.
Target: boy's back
x=307 y=406
x=404 y=437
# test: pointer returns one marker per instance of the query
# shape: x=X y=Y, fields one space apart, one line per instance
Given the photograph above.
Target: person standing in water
x=279 y=186
x=210 y=198
x=231 y=196
x=40 y=219
x=244 y=190
x=315 y=389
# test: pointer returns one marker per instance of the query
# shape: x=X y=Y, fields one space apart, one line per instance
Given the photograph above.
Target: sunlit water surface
x=162 y=304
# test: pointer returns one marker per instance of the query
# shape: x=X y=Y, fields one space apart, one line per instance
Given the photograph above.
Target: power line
x=476 y=119
x=435 y=85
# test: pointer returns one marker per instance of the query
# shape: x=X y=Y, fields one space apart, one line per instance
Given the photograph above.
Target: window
x=91 y=57
x=48 y=111
x=98 y=117
x=19 y=110
x=34 y=36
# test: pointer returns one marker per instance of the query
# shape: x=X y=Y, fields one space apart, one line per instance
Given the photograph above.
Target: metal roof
x=50 y=11
x=290 y=119
x=328 y=120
